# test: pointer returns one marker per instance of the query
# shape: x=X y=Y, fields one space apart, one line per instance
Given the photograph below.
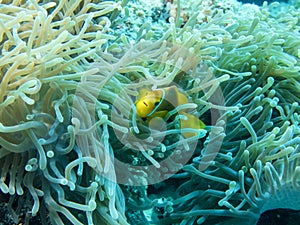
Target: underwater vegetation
x=75 y=147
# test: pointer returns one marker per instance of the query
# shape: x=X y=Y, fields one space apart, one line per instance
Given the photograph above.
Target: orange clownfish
x=158 y=103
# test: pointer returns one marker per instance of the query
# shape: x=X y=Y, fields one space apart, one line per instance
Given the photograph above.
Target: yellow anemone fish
x=158 y=103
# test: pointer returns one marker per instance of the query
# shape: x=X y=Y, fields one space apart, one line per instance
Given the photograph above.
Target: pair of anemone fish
x=158 y=103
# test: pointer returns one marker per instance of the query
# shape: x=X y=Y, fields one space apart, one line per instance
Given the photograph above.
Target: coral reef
x=73 y=150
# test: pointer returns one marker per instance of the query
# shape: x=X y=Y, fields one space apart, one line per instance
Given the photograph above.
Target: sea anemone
x=73 y=149
x=257 y=166
x=46 y=48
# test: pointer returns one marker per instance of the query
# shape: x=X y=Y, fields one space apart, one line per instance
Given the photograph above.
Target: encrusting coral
x=72 y=146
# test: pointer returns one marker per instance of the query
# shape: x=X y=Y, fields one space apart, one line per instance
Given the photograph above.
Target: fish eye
x=156 y=104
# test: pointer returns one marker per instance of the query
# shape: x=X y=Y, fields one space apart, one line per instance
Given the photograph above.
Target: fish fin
x=190 y=121
x=173 y=98
x=180 y=97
